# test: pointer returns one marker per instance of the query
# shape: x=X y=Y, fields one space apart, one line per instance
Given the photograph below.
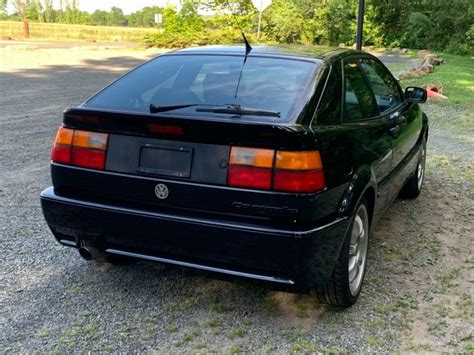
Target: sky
x=128 y=6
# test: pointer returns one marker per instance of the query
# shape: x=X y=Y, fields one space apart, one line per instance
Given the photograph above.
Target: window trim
x=380 y=114
x=314 y=118
x=400 y=91
x=343 y=62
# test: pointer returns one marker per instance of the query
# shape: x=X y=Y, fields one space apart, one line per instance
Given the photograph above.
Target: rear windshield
x=208 y=82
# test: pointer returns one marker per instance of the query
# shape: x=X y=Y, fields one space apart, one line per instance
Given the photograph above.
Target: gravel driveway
x=418 y=290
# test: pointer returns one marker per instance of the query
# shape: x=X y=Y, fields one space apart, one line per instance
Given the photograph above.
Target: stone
x=423 y=53
x=427 y=68
x=432 y=59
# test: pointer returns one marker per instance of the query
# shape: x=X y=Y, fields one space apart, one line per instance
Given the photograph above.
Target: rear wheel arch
x=426 y=127
x=362 y=184
x=370 y=196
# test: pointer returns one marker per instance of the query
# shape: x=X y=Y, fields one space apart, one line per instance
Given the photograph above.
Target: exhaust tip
x=85 y=253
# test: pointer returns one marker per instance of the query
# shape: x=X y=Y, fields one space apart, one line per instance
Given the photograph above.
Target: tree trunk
x=26 y=28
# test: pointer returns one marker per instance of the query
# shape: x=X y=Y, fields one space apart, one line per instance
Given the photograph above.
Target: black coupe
x=272 y=164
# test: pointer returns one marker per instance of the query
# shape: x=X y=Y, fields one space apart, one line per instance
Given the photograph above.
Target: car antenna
x=248 y=47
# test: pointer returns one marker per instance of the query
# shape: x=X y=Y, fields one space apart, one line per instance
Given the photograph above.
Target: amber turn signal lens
x=261 y=158
x=306 y=160
x=64 y=136
x=91 y=140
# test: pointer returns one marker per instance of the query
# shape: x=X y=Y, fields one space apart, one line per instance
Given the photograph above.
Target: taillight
x=298 y=171
x=61 y=152
x=251 y=168
x=288 y=171
x=80 y=148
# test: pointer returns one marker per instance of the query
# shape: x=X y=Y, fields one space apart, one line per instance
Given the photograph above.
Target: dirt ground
x=418 y=292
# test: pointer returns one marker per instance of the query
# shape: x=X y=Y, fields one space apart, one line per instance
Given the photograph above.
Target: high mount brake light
x=163 y=129
x=80 y=148
x=267 y=169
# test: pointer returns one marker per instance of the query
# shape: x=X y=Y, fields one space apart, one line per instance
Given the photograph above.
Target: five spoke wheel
x=358 y=249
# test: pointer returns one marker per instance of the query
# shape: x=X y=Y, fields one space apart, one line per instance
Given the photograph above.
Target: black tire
x=414 y=184
x=338 y=290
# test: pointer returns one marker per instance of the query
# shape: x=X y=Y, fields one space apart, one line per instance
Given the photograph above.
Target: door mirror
x=415 y=94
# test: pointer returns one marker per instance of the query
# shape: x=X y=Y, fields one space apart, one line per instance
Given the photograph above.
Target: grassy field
x=456 y=76
x=58 y=31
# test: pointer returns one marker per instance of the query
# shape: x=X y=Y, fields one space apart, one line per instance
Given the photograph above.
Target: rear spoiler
x=166 y=126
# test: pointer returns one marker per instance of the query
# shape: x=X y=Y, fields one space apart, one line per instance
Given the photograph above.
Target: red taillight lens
x=61 y=153
x=88 y=158
x=80 y=148
x=251 y=177
x=298 y=181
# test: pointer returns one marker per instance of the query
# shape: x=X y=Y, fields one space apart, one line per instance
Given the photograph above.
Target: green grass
x=456 y=75
x=58 y=31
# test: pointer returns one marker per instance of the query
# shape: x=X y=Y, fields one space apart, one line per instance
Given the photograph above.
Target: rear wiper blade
x=239 y=110
x=156 y=109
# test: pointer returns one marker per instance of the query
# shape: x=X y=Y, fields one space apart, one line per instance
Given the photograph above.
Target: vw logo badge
x=161 y=191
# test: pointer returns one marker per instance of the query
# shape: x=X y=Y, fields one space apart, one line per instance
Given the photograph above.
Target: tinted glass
x=385 y=88
x=329 y=110
x=266 y=84
x=359 y=102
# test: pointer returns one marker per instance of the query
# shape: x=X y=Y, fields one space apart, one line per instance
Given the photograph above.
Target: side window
x=359 y=101
x=386 y=89
x=329 y=110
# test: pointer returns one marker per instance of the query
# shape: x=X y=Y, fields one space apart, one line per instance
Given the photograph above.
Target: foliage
x=186 y=39
x=439 y=25
x=144 y=17
x=3 y=6
x=456 y=77
x=58 y=31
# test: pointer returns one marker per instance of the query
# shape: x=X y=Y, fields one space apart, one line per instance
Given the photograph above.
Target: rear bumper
x=295 y=257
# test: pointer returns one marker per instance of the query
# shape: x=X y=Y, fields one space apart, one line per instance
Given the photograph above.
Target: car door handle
x=394 y=131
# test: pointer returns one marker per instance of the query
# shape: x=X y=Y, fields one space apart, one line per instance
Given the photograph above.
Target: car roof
x=302 y=51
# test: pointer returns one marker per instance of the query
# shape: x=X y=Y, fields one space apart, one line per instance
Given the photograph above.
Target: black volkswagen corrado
x=273 y=166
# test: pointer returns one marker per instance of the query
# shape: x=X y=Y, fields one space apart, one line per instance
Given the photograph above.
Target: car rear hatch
x=184 y=166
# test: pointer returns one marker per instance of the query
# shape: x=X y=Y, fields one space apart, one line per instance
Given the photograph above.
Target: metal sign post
x=260 y=5
x=360 y=25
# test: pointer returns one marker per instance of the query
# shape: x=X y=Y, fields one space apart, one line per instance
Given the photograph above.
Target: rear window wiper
x=227 y=108
x=165 y=108
x=239 y=110
x=156 y=109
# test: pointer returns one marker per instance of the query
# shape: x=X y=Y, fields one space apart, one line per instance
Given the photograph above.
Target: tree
x=145 y=17
x=21 y=7
x=35 y=11
x=189 y=17
x=48 y=10
x=116 y=17
x=99 y=17
x=3 y=7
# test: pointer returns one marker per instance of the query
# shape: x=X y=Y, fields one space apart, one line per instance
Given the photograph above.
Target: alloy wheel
x=358 y=249
x=420 y=169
